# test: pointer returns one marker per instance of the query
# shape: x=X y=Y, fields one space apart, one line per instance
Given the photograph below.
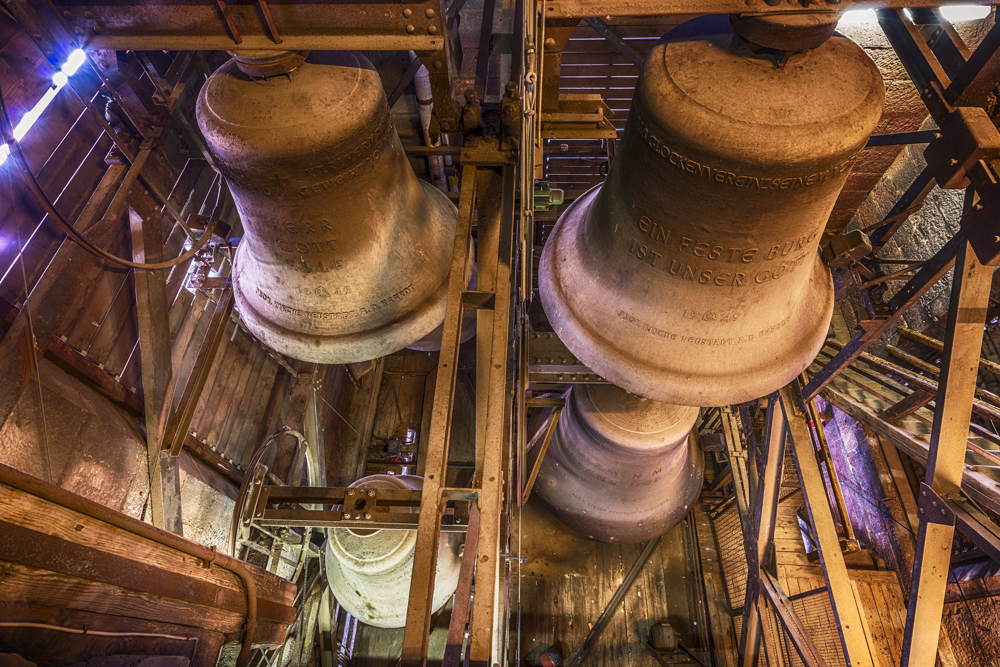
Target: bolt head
x=368 y=515
x=350 y=492
x=429 y=13
x=432 y=29
x=410 y=29
x=407 y=12
x=68 y=15
x=347 y=515
x=438 y=64
x=357 y=516
x=78 y=30
x=98 y=29
x=371 y=494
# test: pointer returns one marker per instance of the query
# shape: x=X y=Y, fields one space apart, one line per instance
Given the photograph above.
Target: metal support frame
x=179 y=25
x=496 y=404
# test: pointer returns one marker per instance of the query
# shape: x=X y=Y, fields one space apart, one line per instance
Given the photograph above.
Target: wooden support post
x=488 y=239
x=857 y=651
x=483 y=636
x=758 y=533
x=180 y=421
x=970 y=294
x=553 y=422
x=157 y=373
x=418 y=612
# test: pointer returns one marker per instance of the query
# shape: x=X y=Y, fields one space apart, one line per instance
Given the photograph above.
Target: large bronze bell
x=346 y=254
x=691 y=275
x=621 y=468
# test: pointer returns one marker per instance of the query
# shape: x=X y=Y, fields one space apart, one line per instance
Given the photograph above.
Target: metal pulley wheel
x=245 y=537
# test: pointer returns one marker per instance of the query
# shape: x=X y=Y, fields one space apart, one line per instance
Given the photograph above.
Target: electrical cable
x=71 y=232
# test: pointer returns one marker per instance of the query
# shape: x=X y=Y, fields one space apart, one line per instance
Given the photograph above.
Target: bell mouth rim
x=587 y=525
x=614 y=364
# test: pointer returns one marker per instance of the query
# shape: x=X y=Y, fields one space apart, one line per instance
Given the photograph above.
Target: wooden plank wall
x=591 y=65
x=559 y=612
x=67 y=149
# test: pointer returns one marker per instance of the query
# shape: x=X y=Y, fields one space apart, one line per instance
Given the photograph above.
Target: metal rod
x=902 y=138
x=541 y=455
x=609 y=611
x=621 y=46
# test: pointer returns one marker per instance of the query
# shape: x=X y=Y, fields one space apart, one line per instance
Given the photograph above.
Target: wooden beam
x=938 y=345
x=738 y=462
x=419 y=607
x=790 y=621
x=854 y=640
x=909 y=404
x=157 y=373
x=180 y=421
x=369 y=426
x=963 y=341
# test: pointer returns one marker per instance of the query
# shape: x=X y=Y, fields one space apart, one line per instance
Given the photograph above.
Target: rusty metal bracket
x=550 y=361
x=933 y=508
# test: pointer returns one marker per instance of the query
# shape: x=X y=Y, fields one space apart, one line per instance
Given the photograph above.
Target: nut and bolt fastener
x=367 y=515
x=371 y=494
x=350 y=492
x=357 y=516
x=347 y=515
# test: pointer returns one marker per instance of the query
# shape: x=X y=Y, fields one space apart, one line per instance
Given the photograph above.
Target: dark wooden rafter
x=157 y=373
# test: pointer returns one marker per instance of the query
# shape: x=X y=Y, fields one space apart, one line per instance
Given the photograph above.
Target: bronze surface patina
x=346 y=253
x=691 y=274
